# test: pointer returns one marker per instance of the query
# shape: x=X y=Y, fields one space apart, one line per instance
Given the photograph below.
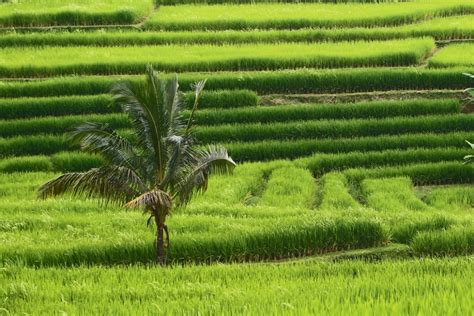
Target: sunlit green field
x=348 y=123
x=429 y=286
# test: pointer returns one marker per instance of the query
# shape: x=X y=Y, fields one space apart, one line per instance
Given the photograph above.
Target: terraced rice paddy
x=26 y=62
x=348 y=122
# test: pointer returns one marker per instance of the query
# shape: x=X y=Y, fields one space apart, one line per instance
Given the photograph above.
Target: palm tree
x=162 y=169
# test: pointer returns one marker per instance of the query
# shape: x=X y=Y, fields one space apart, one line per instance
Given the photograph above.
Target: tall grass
x=76 y=12
x=57 y=125
x=376 y=109
x=55 y=106
x=33 y=145
x=196 y=238
x=323 y=163
x=425 y=173
x=256 y=131
x=306 y=287
x=332 y=128
x=262 y=150
x=455 y=241
x=59 y=162
x=445 y=28
x=392 y=195
x=209 y=2
x=277 y=149
x=26 y=164
x=459 y=197
x=13 y=108
x=53 y=61
x=289 y=187
x=318 y=164
x=335 y=193
x=454 y=55
x=295 y=16
x=294 y=81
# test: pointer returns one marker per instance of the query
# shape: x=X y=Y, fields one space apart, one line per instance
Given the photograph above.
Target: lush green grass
x=444 y=28
x=421 y=174
x=431 y=286
x=263 y=150
x=335 y=194
x=110 y=236
x=262 y=82
x=175 y=2
x=449 y=197
x=294 y=16
x=261 y=212
x=319 y=163
x=59 y=162
x=257 y=132
x=58 y=125
x=319 y=129
x=305 y=111
x=13 y=108
x=266 y=210
x=33 y=145
x=322 y=163
x=277 y=149
x=289 y=187
x=75 y=12
x=391 y=194
x=51 y=61
x=454 y=55
x=451 y=242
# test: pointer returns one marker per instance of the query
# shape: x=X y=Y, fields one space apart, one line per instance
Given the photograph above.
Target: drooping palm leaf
x=154 y=199
x=195 y=176
x=100 y=139
x=108 y=183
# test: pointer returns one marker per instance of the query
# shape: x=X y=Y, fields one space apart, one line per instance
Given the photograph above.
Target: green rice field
x=348 y=122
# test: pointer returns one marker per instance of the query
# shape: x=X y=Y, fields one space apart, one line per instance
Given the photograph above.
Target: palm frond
x=198 y=87
x=181 y=153
x=174 y=107
x=154 y=199
x=109 y=184
x=129 y=97
x=144 y=104
x=101 y=139
x=195 y=178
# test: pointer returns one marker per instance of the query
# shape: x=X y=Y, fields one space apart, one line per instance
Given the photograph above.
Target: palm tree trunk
x=160 y=256
x=160 y=225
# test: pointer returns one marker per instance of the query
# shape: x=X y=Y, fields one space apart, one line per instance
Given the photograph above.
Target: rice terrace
x=236 y=157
